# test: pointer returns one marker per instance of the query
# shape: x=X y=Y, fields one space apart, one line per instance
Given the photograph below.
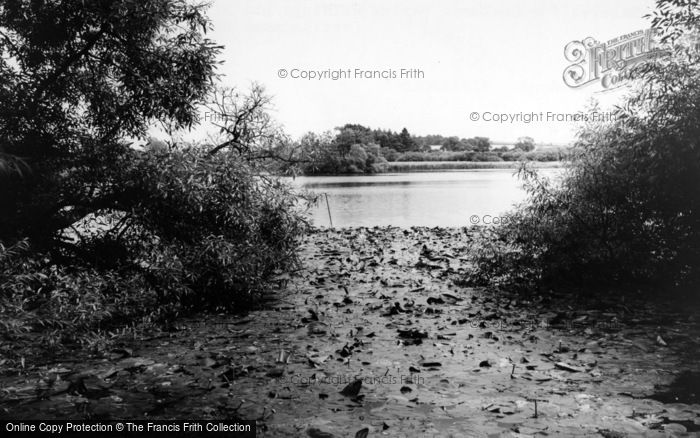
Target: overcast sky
x=475 y=56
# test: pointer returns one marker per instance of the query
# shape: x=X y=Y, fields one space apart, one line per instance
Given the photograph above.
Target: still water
x=447 y=198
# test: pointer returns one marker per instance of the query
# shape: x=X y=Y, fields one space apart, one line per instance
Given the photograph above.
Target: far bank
x=419 y=166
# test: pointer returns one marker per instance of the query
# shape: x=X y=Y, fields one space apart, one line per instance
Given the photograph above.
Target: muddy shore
x=380 y=307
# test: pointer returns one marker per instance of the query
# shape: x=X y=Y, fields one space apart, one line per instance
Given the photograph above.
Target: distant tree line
x=359 y=149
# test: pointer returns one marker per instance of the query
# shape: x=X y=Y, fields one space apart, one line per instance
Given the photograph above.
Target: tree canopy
x=97 y=232
x=77 y=76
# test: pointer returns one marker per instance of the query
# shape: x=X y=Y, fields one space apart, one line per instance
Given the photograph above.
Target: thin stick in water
x=329 y=209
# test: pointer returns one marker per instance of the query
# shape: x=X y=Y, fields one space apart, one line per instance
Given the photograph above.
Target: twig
x=329 y=209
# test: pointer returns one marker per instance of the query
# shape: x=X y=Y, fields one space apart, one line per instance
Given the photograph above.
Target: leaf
x=283 y=356
x=352 y=389
x=316 y=361
x=362 y=433
x=566 y=367
x=451 y=298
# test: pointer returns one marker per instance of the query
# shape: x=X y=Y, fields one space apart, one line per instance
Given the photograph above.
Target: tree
x=525 y=144
x=244 y=121
x=451 y=144
x=97 y=233
x=351 y=134
x=319 y=153
x=407 y=141
x=77 y=78
x=389 y=154
x=387 y=139
x=479 y=144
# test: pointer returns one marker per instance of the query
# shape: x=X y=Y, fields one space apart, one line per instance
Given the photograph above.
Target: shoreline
x=421 y=166
x=448 y=166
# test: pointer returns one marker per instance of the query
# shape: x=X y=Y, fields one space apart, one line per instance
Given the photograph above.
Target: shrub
x=486 y=156
x=49 y=305
x=513 y=156
x=626 y=213
x=229 y=227
x=194 y=232
x=98 y=234
x=360 y=158
x=389 y=154
x=544 y=156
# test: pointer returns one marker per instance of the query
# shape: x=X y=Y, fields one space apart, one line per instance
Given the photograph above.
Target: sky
x=465 y=57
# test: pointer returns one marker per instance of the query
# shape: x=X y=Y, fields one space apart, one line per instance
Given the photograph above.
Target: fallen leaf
x=352 y=389
x=362 y=433
x=283 y=356
x=566 y=367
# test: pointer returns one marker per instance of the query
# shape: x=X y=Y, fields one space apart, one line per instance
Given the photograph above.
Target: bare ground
x=433 y=359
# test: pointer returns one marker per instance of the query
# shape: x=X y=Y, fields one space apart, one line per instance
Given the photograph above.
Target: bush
x=98 y=234
x=389 y=154
x=360 y=158
x=627 y=211
x=51 y=305
x=544 y=156
x=486 y=156
x=513 y=156
x=229 y=231
x=494 y=156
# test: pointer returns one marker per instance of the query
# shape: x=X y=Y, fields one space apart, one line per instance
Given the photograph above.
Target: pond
x=446 y=198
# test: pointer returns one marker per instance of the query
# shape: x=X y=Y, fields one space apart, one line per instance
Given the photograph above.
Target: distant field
x=416 y=166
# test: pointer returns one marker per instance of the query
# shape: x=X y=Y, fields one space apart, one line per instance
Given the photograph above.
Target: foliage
x=51 y=305
x=407 y=142
x=331 y=154
x=244 y=122
x=229 y=232
x=525 y=144
x=479 y=156
x=475 y=144
x=351 y=134
x=229 y=225
x=352 y=150
x=389 y=154
x=77 y=74
x=99 y=233
x=627 y=211
x=433 y=166
x=360 y=158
